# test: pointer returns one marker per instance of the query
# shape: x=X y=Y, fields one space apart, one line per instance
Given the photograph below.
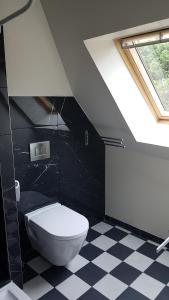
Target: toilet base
x=59 y=254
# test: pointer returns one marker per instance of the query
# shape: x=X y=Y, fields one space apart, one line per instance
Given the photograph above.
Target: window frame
x=140 y=80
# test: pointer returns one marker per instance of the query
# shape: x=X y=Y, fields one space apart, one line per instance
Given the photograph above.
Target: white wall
x=137 y=190
x=34 y=67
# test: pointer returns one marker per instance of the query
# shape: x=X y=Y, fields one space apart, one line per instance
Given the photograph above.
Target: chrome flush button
x=39 y=151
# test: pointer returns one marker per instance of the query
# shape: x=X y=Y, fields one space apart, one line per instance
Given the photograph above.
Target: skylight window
x=147 y=58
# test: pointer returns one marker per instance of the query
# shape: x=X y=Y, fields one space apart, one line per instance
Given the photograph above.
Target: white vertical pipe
x=160 y=247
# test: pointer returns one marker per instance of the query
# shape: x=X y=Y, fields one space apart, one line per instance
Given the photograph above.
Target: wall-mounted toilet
x=56 y=232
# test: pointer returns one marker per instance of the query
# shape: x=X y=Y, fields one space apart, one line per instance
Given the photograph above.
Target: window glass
x=155 y=59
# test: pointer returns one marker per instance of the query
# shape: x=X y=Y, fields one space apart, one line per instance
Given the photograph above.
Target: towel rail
x=114 y=142
x=161 y=247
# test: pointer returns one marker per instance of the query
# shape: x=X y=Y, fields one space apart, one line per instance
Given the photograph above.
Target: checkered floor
x=113 y=264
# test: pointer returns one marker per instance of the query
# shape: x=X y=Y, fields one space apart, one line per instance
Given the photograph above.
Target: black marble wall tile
x=10 y=229
x=27 y=112
x=4 y=112
x=10 y=208
x=41 y=176
x=75 y=173
x=82 y=176
x=4 y=267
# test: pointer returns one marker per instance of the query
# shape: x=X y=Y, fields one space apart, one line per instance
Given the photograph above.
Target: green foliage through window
x=155 y=59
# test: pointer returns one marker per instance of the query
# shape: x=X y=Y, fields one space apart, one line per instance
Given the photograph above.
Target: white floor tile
x=37 y=287
x=73 y=287
x=103 y=242
x=110 y=287
x=77 y=263
x=102 y=227
x=132 y=242
x=139 y=261
x=147 y=286
x=39 y=264
x=106 y=262
x=85 y=243
x=164 y=259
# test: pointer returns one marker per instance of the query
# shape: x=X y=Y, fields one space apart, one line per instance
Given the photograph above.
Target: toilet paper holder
x=17 y=190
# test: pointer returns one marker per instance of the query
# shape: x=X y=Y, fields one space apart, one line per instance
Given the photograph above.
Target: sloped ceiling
x=33 y=63
x=72 y=22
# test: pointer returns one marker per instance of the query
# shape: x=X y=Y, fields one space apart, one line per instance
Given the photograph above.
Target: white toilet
x=56 y=232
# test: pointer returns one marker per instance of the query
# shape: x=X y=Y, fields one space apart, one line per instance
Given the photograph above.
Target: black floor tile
x=164 y=295
x=90 y=252
x=149 y=250
x=120 y=251
x=159 y=272
x=140 y=236
x=116 y=234
x=125 y=273
x=28 y=273
x=131 y=294
x=92 y=235
x=92 y=294
x=53 y=295
x=91 y=274
x=56 y=275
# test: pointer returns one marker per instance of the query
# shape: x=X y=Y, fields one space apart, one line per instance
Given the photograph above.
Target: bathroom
x=74 y=162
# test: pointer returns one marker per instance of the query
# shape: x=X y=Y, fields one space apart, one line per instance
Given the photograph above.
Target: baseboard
x=141 y=233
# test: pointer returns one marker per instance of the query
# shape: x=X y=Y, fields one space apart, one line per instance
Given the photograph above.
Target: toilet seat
x=58 y=221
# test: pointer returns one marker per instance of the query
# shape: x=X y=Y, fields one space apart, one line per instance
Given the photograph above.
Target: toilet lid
x=61 y=222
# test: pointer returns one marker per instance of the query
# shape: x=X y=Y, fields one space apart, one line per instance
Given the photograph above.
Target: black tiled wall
x=4 y=267
x=74 y=174
x=11 y=246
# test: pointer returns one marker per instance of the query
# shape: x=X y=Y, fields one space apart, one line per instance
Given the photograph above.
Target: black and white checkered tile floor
x=113 y=264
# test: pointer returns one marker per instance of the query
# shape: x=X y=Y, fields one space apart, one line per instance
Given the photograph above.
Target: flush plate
x=39 y=151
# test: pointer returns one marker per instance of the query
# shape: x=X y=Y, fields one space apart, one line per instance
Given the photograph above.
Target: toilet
x=56 y=232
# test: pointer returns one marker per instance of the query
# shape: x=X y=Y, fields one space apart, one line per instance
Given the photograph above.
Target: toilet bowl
x=56 y=232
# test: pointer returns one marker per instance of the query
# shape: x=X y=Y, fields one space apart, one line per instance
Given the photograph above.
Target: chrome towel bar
x=114 y=142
